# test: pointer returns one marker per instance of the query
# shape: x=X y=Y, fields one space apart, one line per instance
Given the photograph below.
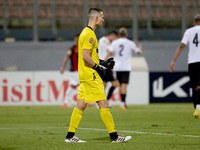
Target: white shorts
x=74 y=79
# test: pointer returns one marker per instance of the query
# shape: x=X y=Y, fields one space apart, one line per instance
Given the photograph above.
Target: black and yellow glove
x=109 y=63
x=100 y=70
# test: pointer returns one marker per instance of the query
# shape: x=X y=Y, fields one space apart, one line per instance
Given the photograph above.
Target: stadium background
x=36 y=34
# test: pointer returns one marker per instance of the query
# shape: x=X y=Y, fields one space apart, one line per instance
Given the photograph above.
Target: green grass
x=45 y=128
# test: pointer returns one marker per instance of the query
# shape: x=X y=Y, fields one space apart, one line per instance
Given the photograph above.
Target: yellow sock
x=75 y=120
x=107 y=120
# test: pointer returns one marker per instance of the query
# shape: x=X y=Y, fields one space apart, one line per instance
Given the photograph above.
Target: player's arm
x=62 y=69
x=90 y=62
x=177 y=53
x=140 y=49
x=108 y=62
x=87 y=58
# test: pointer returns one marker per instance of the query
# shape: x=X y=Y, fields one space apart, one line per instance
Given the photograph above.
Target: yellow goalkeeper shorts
x=91 y=91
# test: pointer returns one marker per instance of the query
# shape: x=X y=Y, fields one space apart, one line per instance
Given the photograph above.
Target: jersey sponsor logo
x=91 y=40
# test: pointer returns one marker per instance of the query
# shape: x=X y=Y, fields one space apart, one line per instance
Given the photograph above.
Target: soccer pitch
x=154 y=126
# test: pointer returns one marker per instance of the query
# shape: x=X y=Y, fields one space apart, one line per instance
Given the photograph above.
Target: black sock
x=194 y=97
x=123 y=97
x=110 y=92
x=198 y=97
x=70 y=134
x=113 y=135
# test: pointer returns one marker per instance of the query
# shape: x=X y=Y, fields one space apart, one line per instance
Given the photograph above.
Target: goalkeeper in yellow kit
x=91 y=87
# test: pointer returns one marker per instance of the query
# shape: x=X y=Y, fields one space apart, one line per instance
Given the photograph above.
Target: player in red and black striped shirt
x=72 y=55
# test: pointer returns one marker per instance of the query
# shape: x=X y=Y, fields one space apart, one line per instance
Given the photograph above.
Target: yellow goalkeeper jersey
x=87 y=40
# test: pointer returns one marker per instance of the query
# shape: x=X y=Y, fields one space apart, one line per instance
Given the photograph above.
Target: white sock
x=109 y=102
x=97 y=106
x=122 y=104
x=198 y=107
x=68 y=95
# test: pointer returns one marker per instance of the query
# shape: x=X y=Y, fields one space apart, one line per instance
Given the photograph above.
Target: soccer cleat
x=122 y=108
x=121 y=138
x=66 y=105
x=126 y=106
x=196 y=114
x=74 y=139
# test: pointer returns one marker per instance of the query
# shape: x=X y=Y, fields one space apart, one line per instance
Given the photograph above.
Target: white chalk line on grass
x=138 y=132
x=94 y=129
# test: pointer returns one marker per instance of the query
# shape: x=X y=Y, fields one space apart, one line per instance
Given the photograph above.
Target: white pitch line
x=94 y=129
x=138 y=132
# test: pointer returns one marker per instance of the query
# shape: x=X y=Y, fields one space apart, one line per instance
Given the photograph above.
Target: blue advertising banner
x=166 y=87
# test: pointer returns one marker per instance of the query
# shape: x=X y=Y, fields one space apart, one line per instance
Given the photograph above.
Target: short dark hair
x=113 y=32
x=95 y=9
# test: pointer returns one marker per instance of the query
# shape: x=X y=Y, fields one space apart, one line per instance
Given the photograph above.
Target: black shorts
x=109 y=76
x=194 y=73
x=123 y=76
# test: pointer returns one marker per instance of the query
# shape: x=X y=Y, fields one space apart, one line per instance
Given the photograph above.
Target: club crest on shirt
x=91 y=40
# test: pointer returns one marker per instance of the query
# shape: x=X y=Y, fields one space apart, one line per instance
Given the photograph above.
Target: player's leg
x=95 y=92
x=193 y=81
x=123 y=89
x=106 y=116
x=75 y=120
x=112 y=78
x=68 y=95
x=198 y=93
x=198 y=86
x=110 y=92
x=76 y=116
x=197 y=110
x=194 y=73
x=106 y=79
x=109 y=123
x=194 y=97
x=115 y=83
x=74 y=82
x=119 y=78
